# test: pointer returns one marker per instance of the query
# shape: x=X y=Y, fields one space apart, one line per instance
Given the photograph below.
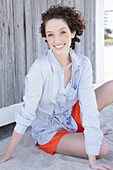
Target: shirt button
x=64 y=95
x=62 y=106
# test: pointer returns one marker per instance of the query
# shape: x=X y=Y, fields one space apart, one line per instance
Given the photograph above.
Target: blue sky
x=108 y=4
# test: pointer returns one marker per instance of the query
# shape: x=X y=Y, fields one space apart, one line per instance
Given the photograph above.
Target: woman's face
x=58 y=36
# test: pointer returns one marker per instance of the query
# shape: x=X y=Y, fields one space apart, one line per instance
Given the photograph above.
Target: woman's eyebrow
x=58 y=30
x=62 y=28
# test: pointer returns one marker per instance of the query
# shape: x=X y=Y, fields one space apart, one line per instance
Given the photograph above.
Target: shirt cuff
x=93 y=150
x=20 y=129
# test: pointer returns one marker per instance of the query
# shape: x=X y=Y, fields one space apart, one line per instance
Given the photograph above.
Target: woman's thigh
x=104 y=95
x=72 y=144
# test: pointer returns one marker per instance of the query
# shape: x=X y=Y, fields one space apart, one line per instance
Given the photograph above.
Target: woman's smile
x=59 y=46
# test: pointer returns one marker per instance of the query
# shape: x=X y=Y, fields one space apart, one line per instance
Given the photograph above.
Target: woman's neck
x=63 y=60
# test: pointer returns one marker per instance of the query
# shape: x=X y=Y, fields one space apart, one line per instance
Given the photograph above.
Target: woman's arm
x=16 y=137
x=33 y=91
x=88 y=106
x=91 y=124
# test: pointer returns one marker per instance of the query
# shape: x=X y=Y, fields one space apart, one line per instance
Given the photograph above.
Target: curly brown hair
x=70 y=15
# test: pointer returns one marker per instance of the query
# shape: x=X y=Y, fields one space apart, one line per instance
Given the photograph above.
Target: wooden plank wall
x=21 y=43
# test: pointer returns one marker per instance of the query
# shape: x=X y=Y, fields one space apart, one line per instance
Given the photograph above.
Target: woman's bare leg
x=74 y=144
x=104 y=95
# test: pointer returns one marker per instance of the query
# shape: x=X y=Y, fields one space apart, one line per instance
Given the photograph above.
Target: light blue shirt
x=48 y=104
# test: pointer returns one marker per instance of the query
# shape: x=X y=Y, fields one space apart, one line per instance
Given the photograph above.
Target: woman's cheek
x=66 y=36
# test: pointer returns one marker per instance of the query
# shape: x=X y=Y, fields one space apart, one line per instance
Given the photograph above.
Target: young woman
x=59 y=100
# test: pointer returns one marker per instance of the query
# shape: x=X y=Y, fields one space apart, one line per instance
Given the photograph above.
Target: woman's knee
x=110 y=84
x=104 y=149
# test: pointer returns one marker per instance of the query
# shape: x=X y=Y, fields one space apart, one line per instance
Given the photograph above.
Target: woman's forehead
x=55 y=24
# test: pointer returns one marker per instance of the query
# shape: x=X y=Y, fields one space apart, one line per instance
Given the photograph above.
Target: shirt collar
x=56 y=66
x=75 y=59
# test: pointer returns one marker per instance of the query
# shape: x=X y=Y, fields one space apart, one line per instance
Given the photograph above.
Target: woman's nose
x=57 y=39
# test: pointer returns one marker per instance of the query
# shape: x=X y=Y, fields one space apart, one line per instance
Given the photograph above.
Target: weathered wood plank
x=19 y=47
x=80 y=7
x=67 y=2
x=6 y=54
x=89 y=36
x=28 y=35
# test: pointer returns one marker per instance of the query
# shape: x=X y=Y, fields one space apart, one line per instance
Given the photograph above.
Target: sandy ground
x=28 y=157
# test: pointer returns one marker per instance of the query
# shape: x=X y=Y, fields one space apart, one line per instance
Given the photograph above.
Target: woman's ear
x=73 y=34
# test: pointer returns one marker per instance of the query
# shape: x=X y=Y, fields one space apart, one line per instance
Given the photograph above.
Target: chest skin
x=67 y=74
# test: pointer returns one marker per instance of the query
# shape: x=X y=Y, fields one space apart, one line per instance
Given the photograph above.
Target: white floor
x=108 y=63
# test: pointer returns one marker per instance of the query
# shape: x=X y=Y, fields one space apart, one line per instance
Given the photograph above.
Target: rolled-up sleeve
x=88 y=105
x=33 y=92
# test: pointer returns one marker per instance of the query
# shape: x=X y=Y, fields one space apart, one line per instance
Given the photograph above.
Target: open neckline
x=69 y=65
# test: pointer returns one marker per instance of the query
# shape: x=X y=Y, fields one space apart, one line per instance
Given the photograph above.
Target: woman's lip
x=60 y=46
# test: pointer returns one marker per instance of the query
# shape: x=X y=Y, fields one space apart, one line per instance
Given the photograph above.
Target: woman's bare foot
x=106 y=130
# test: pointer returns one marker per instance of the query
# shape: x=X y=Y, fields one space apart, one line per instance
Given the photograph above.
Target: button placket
x=53 y=112
x=62 y=90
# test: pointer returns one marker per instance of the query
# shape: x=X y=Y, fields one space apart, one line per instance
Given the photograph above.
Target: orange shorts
x=50 y=147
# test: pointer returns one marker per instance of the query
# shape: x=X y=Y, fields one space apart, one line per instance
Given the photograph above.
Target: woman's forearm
x=12 y=145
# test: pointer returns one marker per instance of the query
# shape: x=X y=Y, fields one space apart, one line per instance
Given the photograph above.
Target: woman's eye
x=50 y=35
x=63 y=32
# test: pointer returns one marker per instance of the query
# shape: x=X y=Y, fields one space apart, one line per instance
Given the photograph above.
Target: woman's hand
x=102 y=166
x=94 y=164
x=3 y=158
